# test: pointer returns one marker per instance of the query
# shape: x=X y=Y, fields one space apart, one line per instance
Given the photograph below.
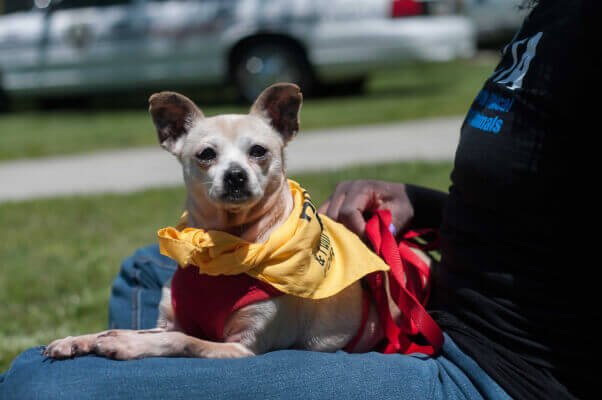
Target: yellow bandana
x=309 y=255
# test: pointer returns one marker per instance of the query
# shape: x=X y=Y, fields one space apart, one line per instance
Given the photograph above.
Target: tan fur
x=283 y=322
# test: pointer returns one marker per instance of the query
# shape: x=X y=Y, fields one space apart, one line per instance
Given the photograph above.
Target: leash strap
x=409 y=288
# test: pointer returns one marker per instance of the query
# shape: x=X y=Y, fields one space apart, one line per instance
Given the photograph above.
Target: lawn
x=414 y=91
x=59 y=256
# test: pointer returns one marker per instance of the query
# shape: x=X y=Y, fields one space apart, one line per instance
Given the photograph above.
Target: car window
x=68 y=4
x=11 y=6
x=181 y=1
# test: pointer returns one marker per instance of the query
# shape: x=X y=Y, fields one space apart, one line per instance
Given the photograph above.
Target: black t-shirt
x=508 y=289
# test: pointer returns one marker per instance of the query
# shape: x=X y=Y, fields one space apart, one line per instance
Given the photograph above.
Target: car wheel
x=263 y=64
x=4 y=101
x=350 y=87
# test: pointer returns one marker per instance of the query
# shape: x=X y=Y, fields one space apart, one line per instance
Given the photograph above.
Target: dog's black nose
x=235 y=178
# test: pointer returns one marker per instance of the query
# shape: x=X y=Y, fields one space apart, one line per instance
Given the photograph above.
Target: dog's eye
x=257 y=151
x=206 y=155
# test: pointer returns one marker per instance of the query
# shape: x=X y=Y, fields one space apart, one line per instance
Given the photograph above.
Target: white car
x=495 y=20
x=61 y=47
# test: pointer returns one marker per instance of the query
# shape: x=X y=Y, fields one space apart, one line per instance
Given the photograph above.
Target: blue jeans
x=287 y=374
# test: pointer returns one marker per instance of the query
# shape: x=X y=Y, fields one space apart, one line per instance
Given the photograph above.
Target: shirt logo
x=523 y=51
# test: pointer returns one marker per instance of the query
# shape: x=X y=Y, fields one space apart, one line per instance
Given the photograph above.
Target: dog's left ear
x=280 y=104
x=173 y=115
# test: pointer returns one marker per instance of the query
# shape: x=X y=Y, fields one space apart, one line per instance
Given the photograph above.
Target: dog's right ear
x=280 y=105
x=173 y=115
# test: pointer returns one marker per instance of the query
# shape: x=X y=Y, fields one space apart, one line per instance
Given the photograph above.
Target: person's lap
x=280 y=374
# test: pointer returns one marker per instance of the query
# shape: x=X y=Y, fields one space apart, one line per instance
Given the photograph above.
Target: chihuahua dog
x=234 y=172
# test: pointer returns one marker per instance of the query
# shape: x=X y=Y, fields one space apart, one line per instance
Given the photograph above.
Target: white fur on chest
x=292 y=322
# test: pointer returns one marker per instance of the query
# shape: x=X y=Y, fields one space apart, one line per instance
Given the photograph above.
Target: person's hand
x=353 y=202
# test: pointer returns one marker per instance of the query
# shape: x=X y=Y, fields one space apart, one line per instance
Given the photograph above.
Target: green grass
x=59 y=256
x=414 y=91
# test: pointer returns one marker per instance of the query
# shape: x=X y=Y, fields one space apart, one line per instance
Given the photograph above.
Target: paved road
x=131 y=170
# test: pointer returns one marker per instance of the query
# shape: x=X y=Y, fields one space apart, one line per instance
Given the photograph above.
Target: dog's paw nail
x=74 y=349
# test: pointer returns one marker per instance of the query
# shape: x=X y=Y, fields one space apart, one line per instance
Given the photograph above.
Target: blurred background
x=82 y=182
x=53 y=49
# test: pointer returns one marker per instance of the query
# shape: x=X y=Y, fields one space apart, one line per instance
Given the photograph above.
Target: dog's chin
x=236 y=199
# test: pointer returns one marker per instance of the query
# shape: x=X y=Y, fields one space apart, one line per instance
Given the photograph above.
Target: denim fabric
x=137 y=289
x=284 y=374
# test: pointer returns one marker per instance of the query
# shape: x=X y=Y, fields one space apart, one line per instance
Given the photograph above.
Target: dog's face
x=231 y=160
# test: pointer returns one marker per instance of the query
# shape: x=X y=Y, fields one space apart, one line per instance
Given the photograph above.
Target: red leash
x=409 y=288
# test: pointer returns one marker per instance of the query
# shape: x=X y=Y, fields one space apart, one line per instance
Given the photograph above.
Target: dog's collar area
x=308 y=255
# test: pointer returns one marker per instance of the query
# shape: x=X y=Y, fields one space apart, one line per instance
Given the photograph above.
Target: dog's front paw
x=227 y=350
x=71 y=346
x=122 y=345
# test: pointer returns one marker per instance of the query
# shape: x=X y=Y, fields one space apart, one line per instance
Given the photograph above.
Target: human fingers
x=358 y=200
x=332 y=204
x=324 y=207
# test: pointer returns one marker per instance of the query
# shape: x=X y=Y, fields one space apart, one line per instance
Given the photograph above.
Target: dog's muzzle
x=235 y=185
